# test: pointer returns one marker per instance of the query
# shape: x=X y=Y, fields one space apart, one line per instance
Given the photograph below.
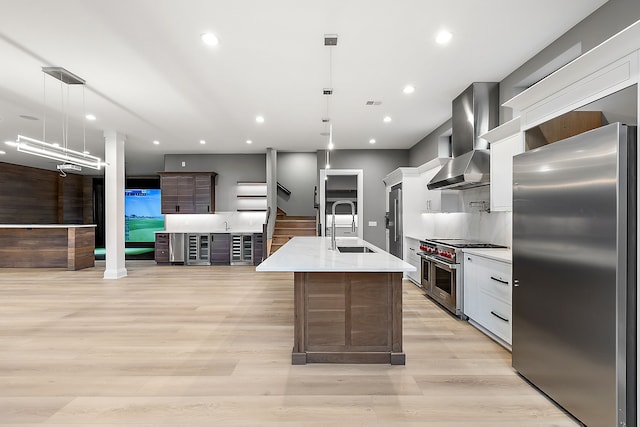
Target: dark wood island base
x=53 y=246
x=348 y=317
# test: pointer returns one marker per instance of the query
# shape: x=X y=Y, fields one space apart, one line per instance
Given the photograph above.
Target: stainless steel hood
x=466 y=171
x=474 y=112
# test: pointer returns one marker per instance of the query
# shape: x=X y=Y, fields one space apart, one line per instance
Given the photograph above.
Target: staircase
x=288 y=226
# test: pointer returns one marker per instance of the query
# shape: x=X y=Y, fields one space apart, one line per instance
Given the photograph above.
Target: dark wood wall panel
x=37 y=196
x=72 y=199
x=87 y=200
x=28 y=195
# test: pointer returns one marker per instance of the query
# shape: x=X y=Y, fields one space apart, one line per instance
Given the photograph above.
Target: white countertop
x=503 y=255
x=306 y=254
x=46 y=225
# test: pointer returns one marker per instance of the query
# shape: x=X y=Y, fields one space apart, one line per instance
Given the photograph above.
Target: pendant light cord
x=44 y=106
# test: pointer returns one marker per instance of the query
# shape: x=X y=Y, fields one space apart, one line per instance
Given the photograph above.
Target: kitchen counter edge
x=503 y=255
x=312 y=254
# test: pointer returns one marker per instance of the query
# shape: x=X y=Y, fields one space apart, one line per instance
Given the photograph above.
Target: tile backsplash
x=474 y=222
x=205 y=223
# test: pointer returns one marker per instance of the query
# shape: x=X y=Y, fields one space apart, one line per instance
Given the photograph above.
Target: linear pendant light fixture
x=58 y=152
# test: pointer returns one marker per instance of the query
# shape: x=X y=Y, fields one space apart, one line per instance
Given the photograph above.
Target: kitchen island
x=347 y=305
x=69 y=246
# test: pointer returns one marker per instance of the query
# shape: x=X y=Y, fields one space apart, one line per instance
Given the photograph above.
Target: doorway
x=341 y=184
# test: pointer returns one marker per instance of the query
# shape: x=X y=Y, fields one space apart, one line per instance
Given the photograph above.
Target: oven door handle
x=437 y=261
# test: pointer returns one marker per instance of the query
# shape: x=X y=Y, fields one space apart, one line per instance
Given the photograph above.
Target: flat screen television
x=142 y=215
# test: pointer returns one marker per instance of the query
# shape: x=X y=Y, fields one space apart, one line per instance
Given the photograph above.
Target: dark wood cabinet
x=162 y=248
x=187 y=192
x=258 y=248
x=204 y=193
x=220 y=249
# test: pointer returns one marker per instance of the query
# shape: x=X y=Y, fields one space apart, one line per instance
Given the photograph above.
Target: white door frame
x=324 y=173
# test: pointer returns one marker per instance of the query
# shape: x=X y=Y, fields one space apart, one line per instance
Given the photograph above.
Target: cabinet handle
x=500 y=317
x=499 y=280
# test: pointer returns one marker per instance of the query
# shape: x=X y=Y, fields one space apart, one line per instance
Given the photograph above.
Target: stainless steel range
x=442 y=270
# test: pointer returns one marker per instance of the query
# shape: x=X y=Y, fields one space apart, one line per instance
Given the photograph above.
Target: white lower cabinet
x=411 y=256
x=487 y=296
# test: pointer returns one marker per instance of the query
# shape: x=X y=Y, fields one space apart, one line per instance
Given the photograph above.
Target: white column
x=114 y=204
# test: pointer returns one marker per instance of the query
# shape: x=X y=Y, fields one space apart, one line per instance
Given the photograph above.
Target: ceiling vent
x=327 y=91
x=373 y=103
x=330 y=39
x=326 y=120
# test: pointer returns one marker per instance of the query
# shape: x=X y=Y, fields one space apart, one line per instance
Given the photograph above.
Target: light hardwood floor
x=211 y=346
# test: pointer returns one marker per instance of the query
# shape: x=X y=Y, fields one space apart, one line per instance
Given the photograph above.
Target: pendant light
x=72 y=159
x=330 y=40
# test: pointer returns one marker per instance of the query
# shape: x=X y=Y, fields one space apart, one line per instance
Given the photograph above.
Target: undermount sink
x=355 y=249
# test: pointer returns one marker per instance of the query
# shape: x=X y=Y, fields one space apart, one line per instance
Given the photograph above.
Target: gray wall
x=431 y=146
x=376 y=164
x=298 y=173
x=609 y=19
x=230 y=168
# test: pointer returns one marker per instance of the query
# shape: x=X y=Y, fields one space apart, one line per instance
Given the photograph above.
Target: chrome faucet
x=333 y=220
x=226 y=226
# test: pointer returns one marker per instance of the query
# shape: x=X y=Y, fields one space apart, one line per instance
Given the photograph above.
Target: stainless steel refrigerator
x=394 y=221
x=574 y=273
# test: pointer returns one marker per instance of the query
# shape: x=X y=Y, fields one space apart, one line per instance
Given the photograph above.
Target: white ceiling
x=150 y=77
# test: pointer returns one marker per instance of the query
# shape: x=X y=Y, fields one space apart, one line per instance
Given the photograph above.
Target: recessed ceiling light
x=86 y=152
x=55 y=144
x=372 y=141
x=443 y=37
x=11 y=143
x=202 y=141
x=209 y=39
x=260 y=119
x=330 y=146
x=387 y=119
x=2 y=152
x=409 y=89
x=249 y=141
x=156 y=142
x=90 y=117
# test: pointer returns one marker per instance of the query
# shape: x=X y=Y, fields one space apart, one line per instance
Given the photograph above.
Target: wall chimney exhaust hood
x=474 y=112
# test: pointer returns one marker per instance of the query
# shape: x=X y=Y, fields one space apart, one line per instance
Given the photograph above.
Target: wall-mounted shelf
x=251 y=196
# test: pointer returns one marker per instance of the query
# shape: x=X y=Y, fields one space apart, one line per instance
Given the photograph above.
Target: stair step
x=293 y=217
x=280 y=240
x=295 y=232
x=295 y=224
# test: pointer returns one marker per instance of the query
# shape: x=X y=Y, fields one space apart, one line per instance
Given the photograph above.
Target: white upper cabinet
x=506 y=141
x=438 y=200
x=502 y=153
